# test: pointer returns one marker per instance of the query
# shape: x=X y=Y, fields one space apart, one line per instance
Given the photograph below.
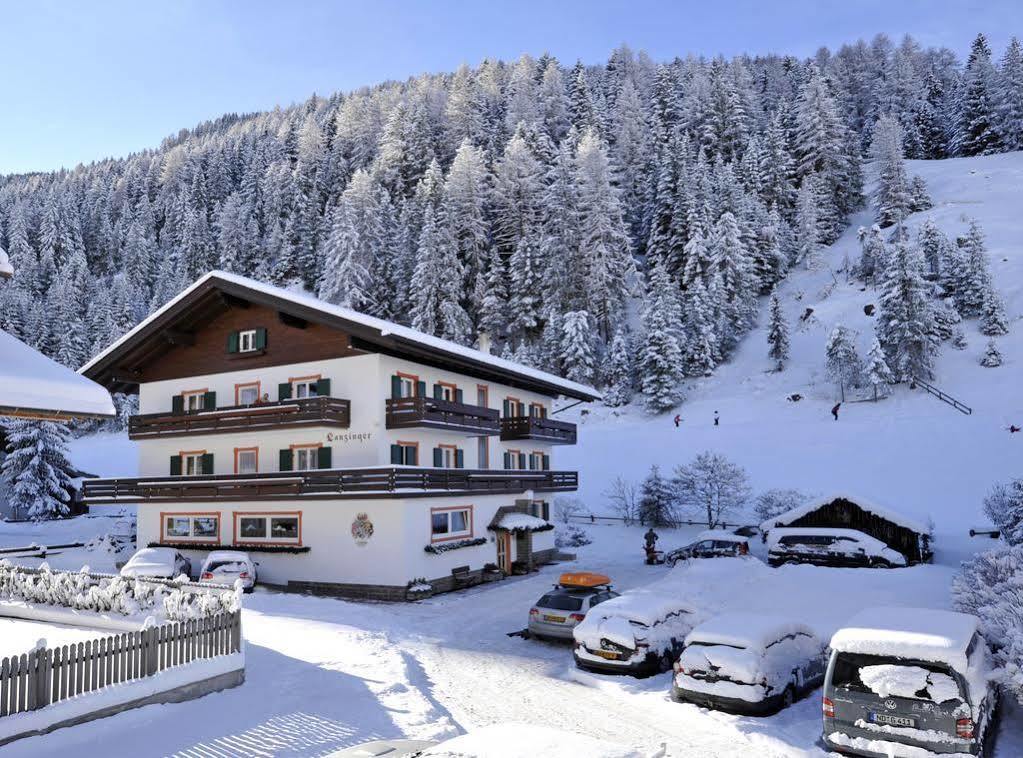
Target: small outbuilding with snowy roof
x=901 y=533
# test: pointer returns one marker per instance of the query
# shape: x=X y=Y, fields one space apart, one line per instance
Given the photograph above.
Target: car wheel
x=667 y=661
x=788 y=697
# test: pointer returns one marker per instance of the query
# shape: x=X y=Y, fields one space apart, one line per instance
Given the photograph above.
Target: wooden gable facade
x=845 y=514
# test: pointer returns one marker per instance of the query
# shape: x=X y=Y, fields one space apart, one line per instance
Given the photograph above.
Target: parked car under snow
x=830 y=547
x=909 y=680
x=559 y=611
x=228 y=567
x=748 y=663
x=159 y=562
x=713 y=543
x=639 y=632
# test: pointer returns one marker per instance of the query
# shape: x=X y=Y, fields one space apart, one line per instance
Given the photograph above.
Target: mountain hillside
x=909 y=451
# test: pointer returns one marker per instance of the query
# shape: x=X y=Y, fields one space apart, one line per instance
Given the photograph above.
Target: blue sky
x=86 y=80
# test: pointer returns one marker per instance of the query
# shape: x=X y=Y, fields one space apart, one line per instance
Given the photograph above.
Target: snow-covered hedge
x=571 y=536
x=443 y=547
x=991 y=587
x=84 y=591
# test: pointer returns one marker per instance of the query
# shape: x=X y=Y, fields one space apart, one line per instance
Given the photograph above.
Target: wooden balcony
x=310 y=411
x=428 y=412
x=326 y=484
x=540 y=429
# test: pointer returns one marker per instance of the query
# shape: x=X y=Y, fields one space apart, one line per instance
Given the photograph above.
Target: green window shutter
x=532 y=462
x=411 y=455
x=507 y=408
x=324 y=457
x=209 y=400
x=285 y=460
x=545 y=509
x=395 y=387
x=459 y=396
x=522 y=460
x=260 y=338
x=175 y=465
x=507 y=460
x=232 y=342
x=284 y=391
x=546 y=462
x=178 y=404
x=438 y=457
x=459 y=458
x=438 y=392
x=397 y=456
x=207 y=463
x=323 y=388
x=420 y=389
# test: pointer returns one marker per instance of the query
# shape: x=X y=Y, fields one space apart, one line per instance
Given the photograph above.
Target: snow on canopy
x=386 y=328
x=748 y=630
x=33 y=385
x=516 y=521
x=889 y=515
x=526 y=741
x=923 y=634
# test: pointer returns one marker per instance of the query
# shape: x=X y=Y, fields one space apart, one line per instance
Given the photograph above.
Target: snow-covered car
x=904 y=681
x=558 y=612
x=639 y=632
x=227 y=567
x=160 y=562
x=830 y=547
x=748 y=663
x=713 y=543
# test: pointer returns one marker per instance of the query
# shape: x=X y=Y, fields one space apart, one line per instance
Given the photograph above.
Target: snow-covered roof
x=516 y=521
x=749 y=630
x=719 y=534
x=924 y=634
x=433 y=344
x=878 y=510
x=526 y=741
x=33 y=386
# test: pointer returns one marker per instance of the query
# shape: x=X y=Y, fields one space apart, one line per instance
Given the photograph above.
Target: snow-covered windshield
x=918 y=681
x=560 y=602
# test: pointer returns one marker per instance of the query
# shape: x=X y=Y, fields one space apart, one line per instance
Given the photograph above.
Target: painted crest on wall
x=362 y=529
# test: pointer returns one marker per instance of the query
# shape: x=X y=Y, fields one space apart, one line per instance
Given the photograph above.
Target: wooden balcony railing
x=310 y=411
x=327 y=484
x=407 y=412
x=539 y=429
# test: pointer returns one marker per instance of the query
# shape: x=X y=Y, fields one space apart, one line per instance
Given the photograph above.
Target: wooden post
x=43 y=663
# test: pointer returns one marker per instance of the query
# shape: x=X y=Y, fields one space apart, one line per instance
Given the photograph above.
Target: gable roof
x=33 y=386
x=887 y=514
x=200 y=299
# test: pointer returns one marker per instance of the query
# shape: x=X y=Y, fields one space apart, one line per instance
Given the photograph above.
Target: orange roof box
x=583 y=579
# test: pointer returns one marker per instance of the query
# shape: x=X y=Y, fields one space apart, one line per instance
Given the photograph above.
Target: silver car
x=556 y=614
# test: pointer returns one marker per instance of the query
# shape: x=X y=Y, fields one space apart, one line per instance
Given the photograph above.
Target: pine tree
x=905 y=325
x=36 y=470
x=578 y=351
x=777 y=334
x=992 y=358
x=465 y=201
x=656 y=500
x=976 y=275
x=993 y=321
x=354 y=238
x=877 y=373
x=527 y=275
x=437 y=285
x=618 y=371
x=661 y=356
x=738 y=280
x=977 y=133
x=1009 y=97
x=701 y=352
x=843 y=362
x=872 y=253
x=892 y=197
x=934 y=245
x=808 y=239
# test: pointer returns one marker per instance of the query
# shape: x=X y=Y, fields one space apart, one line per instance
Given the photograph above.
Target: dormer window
x=247 y=341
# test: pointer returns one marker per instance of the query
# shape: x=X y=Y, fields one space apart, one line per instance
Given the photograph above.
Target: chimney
x=483 y=342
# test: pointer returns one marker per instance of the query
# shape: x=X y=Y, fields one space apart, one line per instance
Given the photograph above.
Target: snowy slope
x=910 y=452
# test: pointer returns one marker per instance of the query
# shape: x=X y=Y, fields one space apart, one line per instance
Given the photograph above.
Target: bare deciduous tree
x=713 y=485
x=624 y=498
x=567 y=508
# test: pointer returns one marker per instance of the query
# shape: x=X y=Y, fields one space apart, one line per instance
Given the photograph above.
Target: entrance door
x=504 y=551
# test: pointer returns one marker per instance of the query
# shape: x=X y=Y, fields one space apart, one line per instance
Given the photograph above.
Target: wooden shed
x=908 y=536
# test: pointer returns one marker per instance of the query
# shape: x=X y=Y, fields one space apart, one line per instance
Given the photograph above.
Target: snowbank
x=526 y=741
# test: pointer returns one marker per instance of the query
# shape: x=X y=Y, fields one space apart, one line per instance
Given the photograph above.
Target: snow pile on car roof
x=751 y=630
x=878 y=510
x=719 y=534
x=526 y=741
x=923 y=634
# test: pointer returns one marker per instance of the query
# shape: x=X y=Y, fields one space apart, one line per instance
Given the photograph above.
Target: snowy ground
x=910 y=452
x=326 y=673
x=19 y=636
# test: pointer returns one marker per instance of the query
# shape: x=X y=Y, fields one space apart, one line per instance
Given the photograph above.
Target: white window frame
x=244 y=452
x=535 y=458
x=448 y=456
x=247 y=341
x=267 y=519
x=408 y=385
x=310 y=453
x=194 y=460
x=252 y=387
x=194 y=400
x=190 y=519
x=308 y=384
x=449 y=533
x=513 y=459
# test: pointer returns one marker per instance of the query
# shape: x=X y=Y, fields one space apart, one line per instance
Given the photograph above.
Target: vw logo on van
x=889 y=704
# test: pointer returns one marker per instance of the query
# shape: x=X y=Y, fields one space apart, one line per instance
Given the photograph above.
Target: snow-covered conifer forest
x=535 y=200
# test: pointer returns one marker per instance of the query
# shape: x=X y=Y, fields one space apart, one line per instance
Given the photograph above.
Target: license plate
x=884 y=718
x=555 y=619
x=609 y=654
